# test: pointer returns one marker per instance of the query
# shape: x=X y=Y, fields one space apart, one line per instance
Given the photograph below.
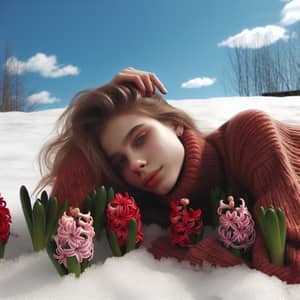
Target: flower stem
x=2 y=249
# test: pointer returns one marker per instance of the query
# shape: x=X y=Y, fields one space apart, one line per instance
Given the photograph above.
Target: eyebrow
x=128 y=137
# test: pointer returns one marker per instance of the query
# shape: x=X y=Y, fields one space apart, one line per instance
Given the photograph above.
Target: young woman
x=126 y=135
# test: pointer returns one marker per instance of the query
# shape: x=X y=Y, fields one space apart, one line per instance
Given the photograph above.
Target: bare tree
x=12 y=87
x=6 y=85
x=267 y=69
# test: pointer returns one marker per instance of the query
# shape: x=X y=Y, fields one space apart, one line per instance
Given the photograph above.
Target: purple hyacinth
x=236 y=226
x=75 y=237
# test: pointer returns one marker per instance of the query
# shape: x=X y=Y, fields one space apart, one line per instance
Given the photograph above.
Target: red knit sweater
x=250 y=153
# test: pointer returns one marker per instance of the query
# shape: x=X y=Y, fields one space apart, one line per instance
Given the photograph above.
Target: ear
x=179 y=130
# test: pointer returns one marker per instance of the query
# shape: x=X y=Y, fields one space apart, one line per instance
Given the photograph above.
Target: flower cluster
x=75 y=237
x=118 y=214
x=5 y=220
x=186 y=224
x=236 y=226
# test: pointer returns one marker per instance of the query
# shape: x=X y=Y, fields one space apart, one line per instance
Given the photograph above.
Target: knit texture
x=261 y=157
x=250 y=153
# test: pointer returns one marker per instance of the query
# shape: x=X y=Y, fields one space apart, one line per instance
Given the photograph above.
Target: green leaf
x=272 y=237
x=60 y=212
x=26 y=207
x=2 y=249
x=73 y=266
x=85 y=264
x=88 y=204
x=110 y=194
x=44 y=199
x=236 y=252
x=282 y=228
x=51 y=217
x=131 y=236
x=261 y=219
x=38 y=226
x=99 y=210
x=114 y=243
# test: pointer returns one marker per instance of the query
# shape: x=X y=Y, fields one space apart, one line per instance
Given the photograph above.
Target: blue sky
x=61 y=47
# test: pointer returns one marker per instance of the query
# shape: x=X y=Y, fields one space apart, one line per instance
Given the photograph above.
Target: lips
x=152 y=179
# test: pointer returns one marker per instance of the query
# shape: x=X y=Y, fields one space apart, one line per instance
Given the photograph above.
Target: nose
x=137 y=165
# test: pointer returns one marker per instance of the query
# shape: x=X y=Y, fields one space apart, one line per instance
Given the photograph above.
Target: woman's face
x=145 y=152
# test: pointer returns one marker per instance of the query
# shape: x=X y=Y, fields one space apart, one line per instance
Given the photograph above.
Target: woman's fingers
x=158 y=83
x=146 y=82
x=149 y=87
x=133 y=78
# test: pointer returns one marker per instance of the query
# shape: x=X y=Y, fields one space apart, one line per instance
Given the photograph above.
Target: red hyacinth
x=186 y=224
x=5 y=220
x=119 y=212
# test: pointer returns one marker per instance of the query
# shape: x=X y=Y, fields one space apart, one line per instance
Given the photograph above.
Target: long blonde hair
x=81 y=122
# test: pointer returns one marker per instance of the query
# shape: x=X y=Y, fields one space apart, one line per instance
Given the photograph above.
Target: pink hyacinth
x=236 y=226
x=185 y=223
x=118 y=214
x=75 y=237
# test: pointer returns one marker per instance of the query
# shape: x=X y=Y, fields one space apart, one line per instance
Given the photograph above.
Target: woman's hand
x=146 y=82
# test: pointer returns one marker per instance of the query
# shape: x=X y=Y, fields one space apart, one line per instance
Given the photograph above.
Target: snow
x=28 y=275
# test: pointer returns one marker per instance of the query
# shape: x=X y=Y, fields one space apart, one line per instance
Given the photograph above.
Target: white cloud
x=40 y=63
x=256 y=38
x=290 y=14
x=198 y=83
x=42 y=98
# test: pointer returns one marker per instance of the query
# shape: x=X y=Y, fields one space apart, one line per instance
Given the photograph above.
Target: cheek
x=129 y=177
x=155 y=148
x=160 y=140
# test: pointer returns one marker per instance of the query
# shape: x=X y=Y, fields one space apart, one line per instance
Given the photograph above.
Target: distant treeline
x=283 y=94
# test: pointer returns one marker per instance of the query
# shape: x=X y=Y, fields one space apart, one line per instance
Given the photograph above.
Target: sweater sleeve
x=75 y=179
x=252 y=145
x=264 y=154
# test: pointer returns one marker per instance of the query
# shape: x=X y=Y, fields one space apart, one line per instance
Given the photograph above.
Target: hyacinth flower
x=5 y=220
x=96 y=203
x=236 y=226
x=73 y=249
x=186 y=226
x=42 y=218
x=273 y=226
x=124 y=226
